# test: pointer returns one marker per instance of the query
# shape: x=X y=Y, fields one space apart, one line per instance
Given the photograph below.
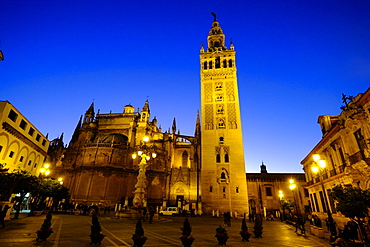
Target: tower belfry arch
x=220 y=120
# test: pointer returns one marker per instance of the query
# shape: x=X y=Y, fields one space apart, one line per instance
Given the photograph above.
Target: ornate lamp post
x=281 y=195
x=318 y=166
x=144 y=152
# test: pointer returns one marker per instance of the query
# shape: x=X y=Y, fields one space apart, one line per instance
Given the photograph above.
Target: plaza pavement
x=73 y=231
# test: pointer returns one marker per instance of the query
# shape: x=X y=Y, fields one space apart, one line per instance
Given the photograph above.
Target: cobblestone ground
x=73 y=231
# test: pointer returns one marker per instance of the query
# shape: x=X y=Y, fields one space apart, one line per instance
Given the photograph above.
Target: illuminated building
x=205 y=172
x=266 y=191
x=98 y=166
x=22 y=145
x=343 y=155
x=223 y=182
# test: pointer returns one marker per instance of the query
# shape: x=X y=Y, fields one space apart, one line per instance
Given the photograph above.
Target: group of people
x=299 y=224
x=185 y=213
x=227 y=219
x=148 y=212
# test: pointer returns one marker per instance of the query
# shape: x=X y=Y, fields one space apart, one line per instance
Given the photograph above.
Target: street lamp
x=60 y=180
x=318 y=167
x=292 y=187
x=145 y=154
x=281 y=195
x=45 y=170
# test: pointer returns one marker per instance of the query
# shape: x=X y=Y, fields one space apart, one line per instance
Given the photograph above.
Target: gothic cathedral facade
x=204 y=172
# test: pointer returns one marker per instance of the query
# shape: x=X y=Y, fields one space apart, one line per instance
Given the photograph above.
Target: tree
x=24 y=182
x=353 y=203
x=287 y=205
x=17 y=182
x=48 y=188
x=5 y=185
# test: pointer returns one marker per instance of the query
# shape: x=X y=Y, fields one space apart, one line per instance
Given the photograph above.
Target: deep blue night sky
x=294 y=60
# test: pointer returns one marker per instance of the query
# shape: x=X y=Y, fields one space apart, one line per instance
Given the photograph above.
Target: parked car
x=170 y=211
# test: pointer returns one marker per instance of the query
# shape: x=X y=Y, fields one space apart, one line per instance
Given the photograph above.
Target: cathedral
x=126 y=159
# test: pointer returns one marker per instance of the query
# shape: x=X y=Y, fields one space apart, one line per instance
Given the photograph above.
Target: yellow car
x=170 y=211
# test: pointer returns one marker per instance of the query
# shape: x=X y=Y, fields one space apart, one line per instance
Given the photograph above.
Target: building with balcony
x=22 y=145
x=345 y=148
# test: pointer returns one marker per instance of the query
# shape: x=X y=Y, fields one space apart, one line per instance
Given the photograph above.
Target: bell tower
x=223 y=179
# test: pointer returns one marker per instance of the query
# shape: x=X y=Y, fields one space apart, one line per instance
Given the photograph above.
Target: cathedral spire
x=174 y=126
x=197 y=125
x=145 y=112
x=90 y=114
x=77 y=130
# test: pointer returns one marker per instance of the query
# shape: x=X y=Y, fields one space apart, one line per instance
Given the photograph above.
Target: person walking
x=151 y=214
x=352 y=226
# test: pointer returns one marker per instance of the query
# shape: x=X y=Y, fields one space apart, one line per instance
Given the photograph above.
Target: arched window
x=221 y=140
x=224 y=63
x=217 y=63
x=210 y=65
x=226 y=158
x=218 y=158
x=219 y=97
x=221 y=124
x=184 y=159
x=230 y=63
x=223 y=177
x=205 y=65
x=224 y=189
x=210 y=188
x=220 y=109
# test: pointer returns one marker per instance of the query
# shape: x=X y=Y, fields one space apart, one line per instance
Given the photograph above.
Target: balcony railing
x=333 y=172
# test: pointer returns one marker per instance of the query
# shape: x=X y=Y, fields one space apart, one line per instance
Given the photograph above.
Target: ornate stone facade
x=223 y=185
x=98 y=166
x=345 y=147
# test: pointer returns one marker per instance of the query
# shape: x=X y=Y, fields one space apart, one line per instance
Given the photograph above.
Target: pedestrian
x=295 y=220
x=301 y=222
x=228 y=218
x=250 y=215
x=352 y=226
x=317 y=221
x=85 y=209
x=144 y=214
x=151 y=214
x=3 y=215
x=225 y=219
x=309 y=217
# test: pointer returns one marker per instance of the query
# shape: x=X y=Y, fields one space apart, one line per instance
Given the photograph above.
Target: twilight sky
x=294 y=60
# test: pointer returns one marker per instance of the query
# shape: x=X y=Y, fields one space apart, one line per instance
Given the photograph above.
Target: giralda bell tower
x=223 y=179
